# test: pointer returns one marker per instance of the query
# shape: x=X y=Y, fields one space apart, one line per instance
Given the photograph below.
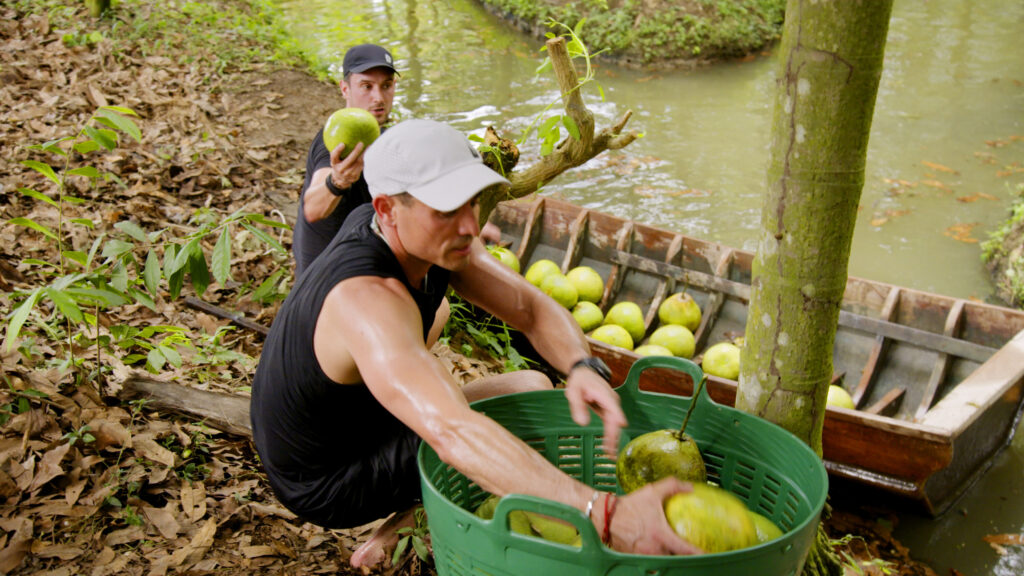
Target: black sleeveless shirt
x=307 y=428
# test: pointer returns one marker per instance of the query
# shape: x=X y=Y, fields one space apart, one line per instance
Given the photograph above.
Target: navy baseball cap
x=365 y=56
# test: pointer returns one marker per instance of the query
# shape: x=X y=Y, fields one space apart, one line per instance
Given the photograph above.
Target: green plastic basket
x=776 y=474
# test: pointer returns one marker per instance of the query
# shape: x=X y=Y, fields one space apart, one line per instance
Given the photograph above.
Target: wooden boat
x=938 y=381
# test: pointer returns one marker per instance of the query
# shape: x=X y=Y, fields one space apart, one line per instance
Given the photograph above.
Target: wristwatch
x=595 y=364
x=332 y=188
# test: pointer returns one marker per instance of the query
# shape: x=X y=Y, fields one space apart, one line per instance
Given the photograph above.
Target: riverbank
x=656 y=33
x=100 y=489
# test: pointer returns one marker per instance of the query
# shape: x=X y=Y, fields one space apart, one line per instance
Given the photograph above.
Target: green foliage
x=416 y=535
x=486 y=331
x=1001 y=251
x=130 y=266
x=651 y=31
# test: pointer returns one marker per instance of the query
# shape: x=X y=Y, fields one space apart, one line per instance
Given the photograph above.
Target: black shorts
x=371 y=488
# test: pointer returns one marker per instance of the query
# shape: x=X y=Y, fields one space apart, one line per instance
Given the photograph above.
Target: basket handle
x=631 y=386
x=511 y=502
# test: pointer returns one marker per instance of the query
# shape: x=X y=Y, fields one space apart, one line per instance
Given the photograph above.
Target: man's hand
x=586 y=389
x=345 y=173
x=639 y=526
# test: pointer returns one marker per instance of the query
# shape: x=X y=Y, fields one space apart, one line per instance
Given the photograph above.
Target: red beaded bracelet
x=609 y=509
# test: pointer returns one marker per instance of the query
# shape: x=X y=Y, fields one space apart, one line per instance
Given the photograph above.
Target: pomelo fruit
x=711 y=518
x=558 y=287
x=539 y=270
x=614 y=335
x=350 y=125
x=588 y=315
x=722 y=360
x=506 y=256
x=840 y=398
x=589 y=284
x=629 y=316
x=766 y=529
x=680 y=308
x=659 y=454
x=652 y=350
x=677 y=338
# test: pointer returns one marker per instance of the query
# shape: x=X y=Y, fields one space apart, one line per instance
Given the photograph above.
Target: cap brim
x=364 y=67
x=453 y=189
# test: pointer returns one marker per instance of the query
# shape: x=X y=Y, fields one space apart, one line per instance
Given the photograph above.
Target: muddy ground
x=152 y=492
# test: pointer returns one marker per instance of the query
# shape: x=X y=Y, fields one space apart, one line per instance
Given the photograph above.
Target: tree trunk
x=830 y=64
x=97 y=7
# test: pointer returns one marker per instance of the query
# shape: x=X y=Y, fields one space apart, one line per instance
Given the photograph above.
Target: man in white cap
x=347 y=387
x=333 y=186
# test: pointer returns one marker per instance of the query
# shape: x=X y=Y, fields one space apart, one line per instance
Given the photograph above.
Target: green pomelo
x=506 y=256
x=629 y=316
x=659 y=454
x=539 y=270
x=711 y=519
x=588 y=315
x=680 y=308
x=350 y=125
x=613 y=335
x=652 y=350
x=766 y=529
x=722 y=360
x=558 y=287
x=588 y=283
x=840 y=398
x=678 y=339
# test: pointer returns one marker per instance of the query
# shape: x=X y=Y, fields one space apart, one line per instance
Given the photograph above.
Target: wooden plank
x=714 y=304
x=870 y=369
x=577 y=239
x=615 y=277
x=887 y=405
x=666 y=285
x=531 y=232
x=953 y=321
x=226 y=412
x=915 y=336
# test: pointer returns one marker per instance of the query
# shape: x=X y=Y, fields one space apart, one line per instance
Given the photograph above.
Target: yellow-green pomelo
x=839 y=397
x=539 y=270
x=676 y=338
x=350 y=125
x=656 y=455
x=722 y=360
x=711 y=518
x=629 y=316
x=766 y=529
x=588 y=315
x=680 y=308
x=558 y=287
x=614 y=335
x=589 y=284
x=506 y=256
x=652 y=350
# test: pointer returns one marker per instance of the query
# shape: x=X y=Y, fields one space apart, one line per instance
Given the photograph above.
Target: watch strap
x=595 y=364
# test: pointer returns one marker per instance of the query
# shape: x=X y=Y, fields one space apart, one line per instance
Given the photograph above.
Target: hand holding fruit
x=346 y=168
x=639 y=524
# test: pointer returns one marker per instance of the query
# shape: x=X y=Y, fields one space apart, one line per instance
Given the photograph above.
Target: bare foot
x=375 y=551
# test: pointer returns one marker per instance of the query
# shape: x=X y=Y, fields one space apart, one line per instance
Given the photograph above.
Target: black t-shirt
x=309 y=239
x=309 y=430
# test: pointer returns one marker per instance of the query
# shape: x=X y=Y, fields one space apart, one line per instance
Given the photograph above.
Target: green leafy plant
x=415 y=535
x=487 y=332
x=122 y=268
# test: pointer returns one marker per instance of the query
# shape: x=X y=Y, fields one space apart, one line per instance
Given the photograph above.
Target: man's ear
x=385 y=208
x=344 y=90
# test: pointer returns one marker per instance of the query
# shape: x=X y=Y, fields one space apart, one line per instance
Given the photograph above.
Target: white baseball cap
x=433 y=162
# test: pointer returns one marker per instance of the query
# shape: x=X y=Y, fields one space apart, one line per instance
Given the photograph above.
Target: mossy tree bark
x=830 y=64
x=97 y=7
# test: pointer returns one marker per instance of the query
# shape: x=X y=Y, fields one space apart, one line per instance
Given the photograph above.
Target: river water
x=946 y=151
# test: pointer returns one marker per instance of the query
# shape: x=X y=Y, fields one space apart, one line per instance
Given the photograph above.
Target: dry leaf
x=961 y=232
x=164 y=520
x=936 y=184
x=939 y=167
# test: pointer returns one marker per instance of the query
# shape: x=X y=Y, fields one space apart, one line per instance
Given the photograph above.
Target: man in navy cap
x=334 y=187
